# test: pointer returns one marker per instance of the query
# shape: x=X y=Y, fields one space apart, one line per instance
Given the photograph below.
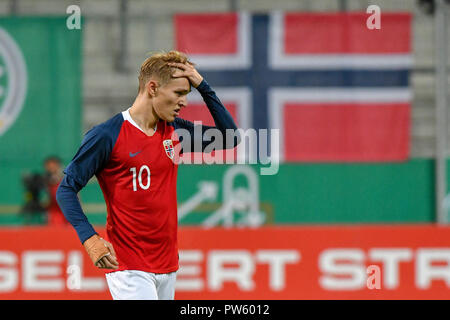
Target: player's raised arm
x=222 y=118
x=90 y=158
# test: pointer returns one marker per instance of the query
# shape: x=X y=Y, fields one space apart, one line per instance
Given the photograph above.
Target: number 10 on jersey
x=139 y=178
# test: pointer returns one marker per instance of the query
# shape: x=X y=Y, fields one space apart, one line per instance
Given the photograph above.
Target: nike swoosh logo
x=134 y=154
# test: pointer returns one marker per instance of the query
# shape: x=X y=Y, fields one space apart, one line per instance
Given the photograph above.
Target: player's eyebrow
x=182 y=90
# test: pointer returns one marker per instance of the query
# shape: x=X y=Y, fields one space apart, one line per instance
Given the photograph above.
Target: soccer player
x=131 y=155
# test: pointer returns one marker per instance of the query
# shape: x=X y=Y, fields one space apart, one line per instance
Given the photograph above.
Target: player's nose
x=183 y=103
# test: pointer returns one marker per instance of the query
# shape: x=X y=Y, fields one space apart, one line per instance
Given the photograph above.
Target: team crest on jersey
x=168 y=147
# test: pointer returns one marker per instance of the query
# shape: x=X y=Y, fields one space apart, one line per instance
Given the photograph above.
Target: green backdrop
x=315 y=193
x=50 y=120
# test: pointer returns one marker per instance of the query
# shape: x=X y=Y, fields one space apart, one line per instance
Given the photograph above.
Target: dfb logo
x=13 y=81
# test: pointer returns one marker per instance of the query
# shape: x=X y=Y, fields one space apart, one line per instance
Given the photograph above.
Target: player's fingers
x=186 y=74
x=187 y=69
x=177 y=74
x=111 y=249
x=112 y=261
x=181 y=66
x=100 y=263
x=107 y=264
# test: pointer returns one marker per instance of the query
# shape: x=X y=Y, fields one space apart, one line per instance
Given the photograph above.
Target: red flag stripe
x=344 y=33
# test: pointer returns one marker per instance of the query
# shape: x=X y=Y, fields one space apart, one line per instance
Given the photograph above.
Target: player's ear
x=151 y=88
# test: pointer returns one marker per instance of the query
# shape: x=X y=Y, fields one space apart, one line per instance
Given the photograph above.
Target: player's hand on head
x=101 y=252
x=187 y=70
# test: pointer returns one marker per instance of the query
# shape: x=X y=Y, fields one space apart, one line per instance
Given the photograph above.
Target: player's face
x=170 y=98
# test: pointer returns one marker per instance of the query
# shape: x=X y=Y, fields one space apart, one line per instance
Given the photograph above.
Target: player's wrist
x=197 y=81
x=203 y=85
x=89 y=241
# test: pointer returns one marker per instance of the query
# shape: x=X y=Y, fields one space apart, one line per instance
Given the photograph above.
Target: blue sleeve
x=222 y=119
x=67 y=198
x=89 y=160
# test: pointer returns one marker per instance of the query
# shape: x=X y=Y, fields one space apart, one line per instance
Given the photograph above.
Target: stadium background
x=324 y=221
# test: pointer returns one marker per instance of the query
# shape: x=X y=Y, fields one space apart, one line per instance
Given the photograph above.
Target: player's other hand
x=187 y=70
x=101 y=252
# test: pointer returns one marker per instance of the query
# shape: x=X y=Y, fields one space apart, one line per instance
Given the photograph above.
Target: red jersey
x=139 y=186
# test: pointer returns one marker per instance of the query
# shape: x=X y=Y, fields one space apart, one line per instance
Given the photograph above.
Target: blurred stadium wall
x=79 y=78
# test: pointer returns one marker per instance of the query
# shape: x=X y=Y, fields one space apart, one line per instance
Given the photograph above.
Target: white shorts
x=140 y=285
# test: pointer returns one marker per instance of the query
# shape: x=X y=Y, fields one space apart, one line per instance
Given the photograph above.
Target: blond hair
x=156 y=67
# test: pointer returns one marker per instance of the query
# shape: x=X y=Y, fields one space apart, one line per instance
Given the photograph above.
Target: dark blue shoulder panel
x=95 y=150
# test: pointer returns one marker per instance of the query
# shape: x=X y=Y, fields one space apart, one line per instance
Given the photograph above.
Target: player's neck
x=143 y=114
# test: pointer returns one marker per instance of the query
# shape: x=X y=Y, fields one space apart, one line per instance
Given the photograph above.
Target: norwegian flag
x=336 y=90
